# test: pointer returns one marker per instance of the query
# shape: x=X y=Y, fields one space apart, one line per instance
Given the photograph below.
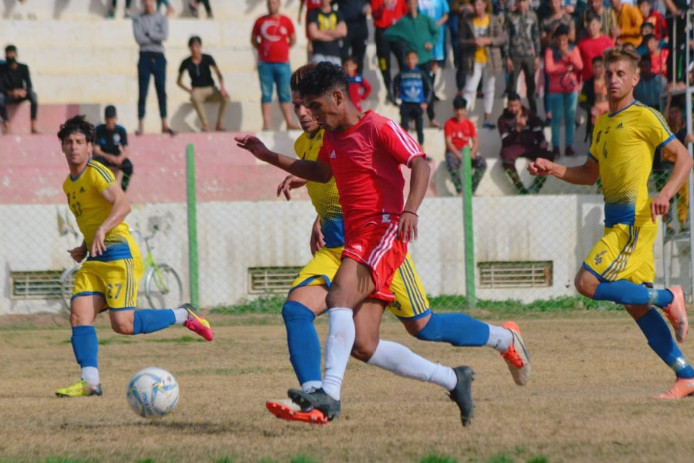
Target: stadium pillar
x=470 y=299
x=192 y=226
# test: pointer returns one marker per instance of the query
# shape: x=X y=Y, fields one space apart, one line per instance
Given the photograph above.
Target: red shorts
x=377 y=246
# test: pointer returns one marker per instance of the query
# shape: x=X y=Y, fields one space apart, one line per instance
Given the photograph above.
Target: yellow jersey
x=90 y=208
x=324 y=196
x=623 y=146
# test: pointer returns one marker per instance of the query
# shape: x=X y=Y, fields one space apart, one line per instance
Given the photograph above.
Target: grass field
x=588 y=400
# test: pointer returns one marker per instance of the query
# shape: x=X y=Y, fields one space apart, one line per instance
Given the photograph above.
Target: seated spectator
x=595 y=91
x=593 y=45
x=15 y=87
x=648 y=29
x=651 y=16
x=413 y=87
x=111 y=147
x=195 y=4
x=460 y=132
x=521 y=137
x=650 y=86
x=359 y=87
x=199 y=67
x=563 y=66
x=628 y=25
x=657 y=55
x=385 y=14
x=326 y=27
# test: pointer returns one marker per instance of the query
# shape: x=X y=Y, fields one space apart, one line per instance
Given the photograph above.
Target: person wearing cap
x=111 y=147
x=202 y=89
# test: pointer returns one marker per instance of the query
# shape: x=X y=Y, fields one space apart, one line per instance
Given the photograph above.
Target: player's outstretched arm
x=121 y=208
x=419 y=181
x=585 y=174
x=310 y=170
x=680 y=171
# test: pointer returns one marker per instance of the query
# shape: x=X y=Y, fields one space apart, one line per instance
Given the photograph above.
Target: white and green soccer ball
x=152 y=392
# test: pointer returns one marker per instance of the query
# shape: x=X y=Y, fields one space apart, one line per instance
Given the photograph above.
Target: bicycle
x=162 y=285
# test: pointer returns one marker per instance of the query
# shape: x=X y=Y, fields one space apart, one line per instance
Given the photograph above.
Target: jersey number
x=76 y=209
x=117 y=287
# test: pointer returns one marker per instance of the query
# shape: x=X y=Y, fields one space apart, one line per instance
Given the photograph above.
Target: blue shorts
x=278 y=74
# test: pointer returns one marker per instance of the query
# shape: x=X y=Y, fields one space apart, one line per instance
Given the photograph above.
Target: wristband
x=410 y=212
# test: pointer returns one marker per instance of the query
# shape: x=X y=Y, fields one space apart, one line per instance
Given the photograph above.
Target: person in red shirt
x=272 y=36
x=359 y=87
x=364 y=152
x=593 y=45
x=657 y=55
x=459 y=132
x=385 y=13
x=650 y=15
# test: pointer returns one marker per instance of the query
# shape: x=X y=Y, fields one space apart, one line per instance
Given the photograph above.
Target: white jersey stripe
x=384 y=245
x=408 y=142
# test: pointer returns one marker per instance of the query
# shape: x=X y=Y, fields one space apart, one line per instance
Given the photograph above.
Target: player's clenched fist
x=540 y=166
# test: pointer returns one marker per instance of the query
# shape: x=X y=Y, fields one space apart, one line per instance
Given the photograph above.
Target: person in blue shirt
x=413 y=87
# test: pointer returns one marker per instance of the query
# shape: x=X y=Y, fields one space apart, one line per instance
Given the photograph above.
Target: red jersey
x=659 y=62
x=385 y=13
x=359 y=89
x=461 y=132
x=590 y=48
x=274 y=33
x=365 y=160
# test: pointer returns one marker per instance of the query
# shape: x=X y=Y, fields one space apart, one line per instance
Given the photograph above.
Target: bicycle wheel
x=67 y=283
x=163 y=287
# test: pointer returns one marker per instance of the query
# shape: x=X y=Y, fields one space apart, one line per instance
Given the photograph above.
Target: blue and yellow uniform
x=410 y=301
x=115 y=273
x=623 y=146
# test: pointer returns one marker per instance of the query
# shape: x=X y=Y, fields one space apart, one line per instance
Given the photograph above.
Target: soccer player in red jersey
x=364 y=152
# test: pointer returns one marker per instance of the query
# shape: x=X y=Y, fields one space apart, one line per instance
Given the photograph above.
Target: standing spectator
x=677 y=52
x=359 y=88
x=563 y=65
x=326 y=27
x=195 y=4
x=521 y=137
x=522 y=49
x=556 y=18
x=481 y=39
x=438 y=11
x=650 y=85
x=458 y=10
x=15 y=87
x=420 y=33
x=111 y=147
x=595 y=91
x=354 y=44
x=459 y=132
x=607 y=17
x=151 y=29
x=202 y=88
x=272 y=36
x=413 y=87
x=628 y=27
x=592 y=45
x=652 y=16
x=385 y=14
x=310 y=6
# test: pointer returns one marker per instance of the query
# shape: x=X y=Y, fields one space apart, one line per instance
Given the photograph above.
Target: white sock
x=310 y=386
x=181 y=315
x=499 y=338
x=91 y=375
x=338 y=347
x=402 y=361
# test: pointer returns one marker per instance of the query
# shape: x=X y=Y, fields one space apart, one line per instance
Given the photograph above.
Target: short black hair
x=410 y=51
x=298 y=75
x=648 y=37
x=598 y=59
x=323 y=78
x=350 y=59
x=459 y=102
x=643 y=1
x=513 y=96
x=590 y=16
x=562 y=29
x=194 y=39
x=10 y=48
x=77 y=124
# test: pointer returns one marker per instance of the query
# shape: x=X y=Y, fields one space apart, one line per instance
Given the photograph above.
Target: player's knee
x=122 y=326
x=363 y=352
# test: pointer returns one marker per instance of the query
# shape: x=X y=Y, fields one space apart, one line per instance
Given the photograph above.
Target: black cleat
x=317 y=400
x=462 y=393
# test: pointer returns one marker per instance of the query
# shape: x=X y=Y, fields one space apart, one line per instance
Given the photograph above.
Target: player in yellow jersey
x=620 y=267
x=108 y=279
x=307 y=298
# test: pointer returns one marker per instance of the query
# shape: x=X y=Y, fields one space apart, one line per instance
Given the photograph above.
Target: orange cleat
x=676 y=313
x=288 y=410
x=683 y=387
x=517 y=357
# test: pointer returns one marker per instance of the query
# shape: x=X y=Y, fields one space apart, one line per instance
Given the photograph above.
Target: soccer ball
x=152 y=392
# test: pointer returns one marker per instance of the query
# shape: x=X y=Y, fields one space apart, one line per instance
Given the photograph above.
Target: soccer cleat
x=516 y=356
x=462 y=393
x=683 y=387
x=316 y=400
x=676 y=313
x=288 y=410
x=80 y=389
x=197 y=322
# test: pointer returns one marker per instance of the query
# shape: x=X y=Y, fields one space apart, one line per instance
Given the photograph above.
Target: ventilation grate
x=39 y=284
x=530 y=274
x=264 y=280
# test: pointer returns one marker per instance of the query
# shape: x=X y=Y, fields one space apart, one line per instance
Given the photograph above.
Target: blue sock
x=628 y=293
x=456 y=328
x=303 y=342
x=85 y=345
x=151 y=320
x=661 y=341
